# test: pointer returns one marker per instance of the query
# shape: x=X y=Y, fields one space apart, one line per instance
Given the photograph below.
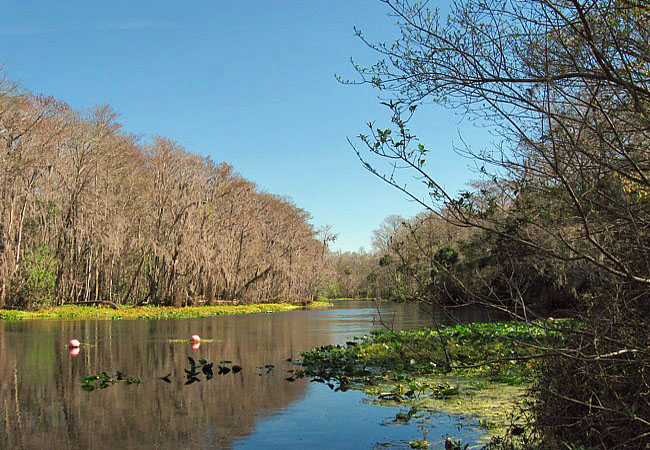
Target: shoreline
x=73 y=312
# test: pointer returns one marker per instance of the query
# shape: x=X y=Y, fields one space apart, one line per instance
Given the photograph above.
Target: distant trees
x=565 y=86
x=88 y=214
x=354 y=276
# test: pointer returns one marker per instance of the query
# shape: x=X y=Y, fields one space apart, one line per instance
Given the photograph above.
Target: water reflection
x=44 y=406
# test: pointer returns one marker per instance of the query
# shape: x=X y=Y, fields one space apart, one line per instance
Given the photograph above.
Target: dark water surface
x=44 y=407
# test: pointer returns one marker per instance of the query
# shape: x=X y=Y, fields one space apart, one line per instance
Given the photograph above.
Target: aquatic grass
x=74 y=312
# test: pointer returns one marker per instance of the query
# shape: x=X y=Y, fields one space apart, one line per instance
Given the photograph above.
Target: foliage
x=196 y=370
x=36 y=279
x=354 y=276
x=419 y=444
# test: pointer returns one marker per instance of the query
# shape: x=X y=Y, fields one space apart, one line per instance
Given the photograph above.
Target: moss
x=150 y=312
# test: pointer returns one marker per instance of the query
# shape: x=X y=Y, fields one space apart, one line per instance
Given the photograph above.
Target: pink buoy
x=196 y=338
x=74 y=343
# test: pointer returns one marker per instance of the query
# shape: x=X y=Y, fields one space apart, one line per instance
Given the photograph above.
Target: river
x=45 y=407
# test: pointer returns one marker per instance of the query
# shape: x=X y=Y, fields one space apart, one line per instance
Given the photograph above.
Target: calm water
x=44 y=407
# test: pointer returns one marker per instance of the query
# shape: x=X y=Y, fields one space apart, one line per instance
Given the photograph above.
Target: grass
x=72 y=312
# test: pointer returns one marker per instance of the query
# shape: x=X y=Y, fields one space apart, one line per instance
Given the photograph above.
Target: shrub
x=36 y=281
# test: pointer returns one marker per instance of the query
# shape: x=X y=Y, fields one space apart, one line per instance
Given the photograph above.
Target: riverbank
x=481 y=370
x=74 y=312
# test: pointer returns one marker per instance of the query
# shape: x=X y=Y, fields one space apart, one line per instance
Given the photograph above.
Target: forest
x=88 y=213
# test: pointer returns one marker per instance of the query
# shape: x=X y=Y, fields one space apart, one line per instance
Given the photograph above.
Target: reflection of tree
x=52 y=410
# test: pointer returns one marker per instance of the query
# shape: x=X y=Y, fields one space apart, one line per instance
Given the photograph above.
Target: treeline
x=427 y=258
x=87 y=213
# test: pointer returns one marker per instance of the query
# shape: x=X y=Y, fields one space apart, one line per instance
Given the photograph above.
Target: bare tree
x=88 y=214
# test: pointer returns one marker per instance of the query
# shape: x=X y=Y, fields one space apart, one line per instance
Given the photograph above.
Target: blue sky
x=250 y=83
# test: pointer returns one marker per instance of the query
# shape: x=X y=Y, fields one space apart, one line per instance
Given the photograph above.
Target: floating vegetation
x=166 y=378
x=405 y=417
x=196 y=369
x=74 y=312
x=294 y=375
x=189 y=341
x=102 y=380
x=206 y=369
x=493 y=351
x=267 y=369
x=483 y=369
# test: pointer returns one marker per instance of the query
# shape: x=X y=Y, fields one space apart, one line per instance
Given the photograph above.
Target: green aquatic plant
x=405 y=417
x=76 y=312
x=501 y=351
x=189 y=341
x=206 y=368
x=166 y=378
x=102 y=380
x=455 y=445
x=487 y=373
x=419 y=444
